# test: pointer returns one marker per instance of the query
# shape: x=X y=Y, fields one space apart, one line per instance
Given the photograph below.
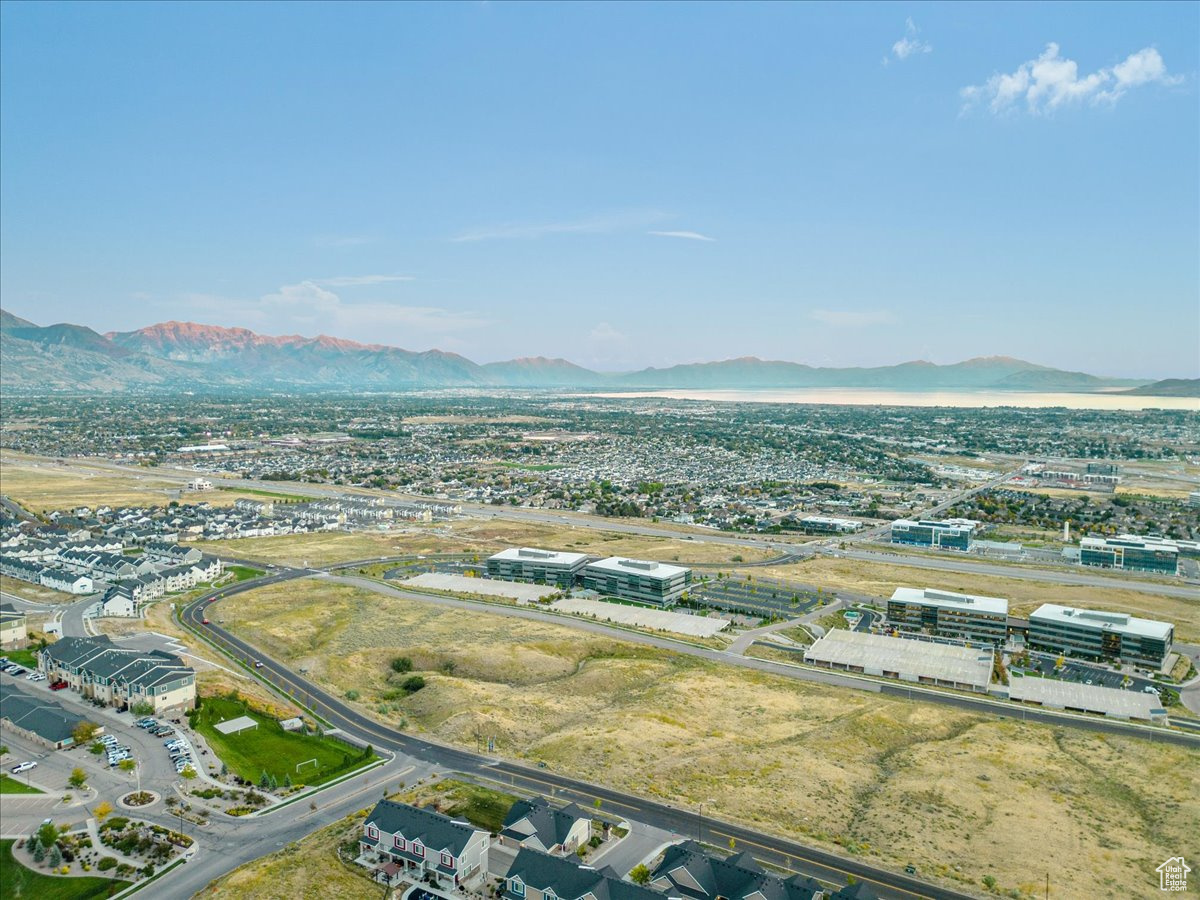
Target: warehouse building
x=538 y=566
x=953 y=534
x=1095 y=634
x=636 y=579
x=1127 y=551
x=919 y=662
x=948 y=614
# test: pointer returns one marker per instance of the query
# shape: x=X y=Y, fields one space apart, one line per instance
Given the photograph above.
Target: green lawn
x=244 y=573
x=24 y=657
x=269 y=748
x=481 y=806
x=10 y=785
x=17 y=881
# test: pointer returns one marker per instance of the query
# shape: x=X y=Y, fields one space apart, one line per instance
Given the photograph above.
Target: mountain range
x=185 y=355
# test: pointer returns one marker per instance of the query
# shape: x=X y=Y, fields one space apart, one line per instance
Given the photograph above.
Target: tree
x=78 y=778
x=47 y=835
x=55 y=857
x=639 y=874
x=39 y=852
x=142 y=708
x=103 y=810
x=264 y=781
x=187 y=773
x=287 y=780
x=84 y=732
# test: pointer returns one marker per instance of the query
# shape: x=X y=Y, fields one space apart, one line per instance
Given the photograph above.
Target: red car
x=58 y=685
x=204 y=622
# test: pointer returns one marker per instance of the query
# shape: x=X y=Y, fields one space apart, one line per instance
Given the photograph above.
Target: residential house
x=13 y=635
x=535 y=875
x=120 y=676
x=400 y=840
x=687 y=871
x=537 y=824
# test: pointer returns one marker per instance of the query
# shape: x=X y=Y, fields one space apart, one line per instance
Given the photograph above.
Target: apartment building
x=119 y=676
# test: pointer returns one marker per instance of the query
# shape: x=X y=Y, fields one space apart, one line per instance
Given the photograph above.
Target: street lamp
x=700 y=821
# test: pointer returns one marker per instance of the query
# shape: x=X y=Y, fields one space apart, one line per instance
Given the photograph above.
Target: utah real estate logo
x=1172 y=875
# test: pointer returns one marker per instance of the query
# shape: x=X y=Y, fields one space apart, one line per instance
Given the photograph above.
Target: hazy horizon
x=622 y=186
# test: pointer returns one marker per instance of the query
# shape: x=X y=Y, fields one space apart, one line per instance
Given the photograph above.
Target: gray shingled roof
x=571 y=881
x=43 y=717
x=435 y=831
x=549 y=824
x=735 y=878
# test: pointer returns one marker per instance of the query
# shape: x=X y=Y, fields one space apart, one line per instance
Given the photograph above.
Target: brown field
x=308 y=869
x=881 y=579
x=476 y=536
x=28 y=591
x=957 y=794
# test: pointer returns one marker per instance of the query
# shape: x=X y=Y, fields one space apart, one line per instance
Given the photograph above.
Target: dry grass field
x=308 y=869
x=35 y=592
x=957 y=794
x=481 y=537
x=881 y=579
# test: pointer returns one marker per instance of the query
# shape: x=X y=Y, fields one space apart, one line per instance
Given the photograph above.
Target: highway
x=356 y=726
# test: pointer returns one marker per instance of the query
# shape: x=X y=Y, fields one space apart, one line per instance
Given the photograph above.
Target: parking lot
x=1083 y=673
x=763 y=596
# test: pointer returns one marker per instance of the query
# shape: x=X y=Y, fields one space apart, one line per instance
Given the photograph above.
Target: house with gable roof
x=404 y=841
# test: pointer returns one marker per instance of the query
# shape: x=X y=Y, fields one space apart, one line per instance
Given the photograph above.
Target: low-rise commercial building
x=946 y=613
x=829 y=525
x=949 y=535
x=637 y=579
x=120 y=676
x=1096 y=634
x=906 y=659
x=1128 y=551
x=539 y=566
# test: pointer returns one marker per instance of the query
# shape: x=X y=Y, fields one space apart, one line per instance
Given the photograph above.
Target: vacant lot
x=309 y=870
x=957 y=794
x=20 y=883
x=268 y=748
x=881 y=579
x=481 y=806
x=45 y=486
x=478 y=537
x=34 y=592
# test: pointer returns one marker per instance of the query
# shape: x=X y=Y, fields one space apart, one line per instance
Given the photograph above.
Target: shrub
x=412 y=684
x=401 y=665
x=352 y=695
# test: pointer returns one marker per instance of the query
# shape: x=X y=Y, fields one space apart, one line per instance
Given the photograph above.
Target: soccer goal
x=312 y=761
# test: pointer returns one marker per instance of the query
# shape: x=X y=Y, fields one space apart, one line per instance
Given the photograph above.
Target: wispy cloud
x=1051 y=81
x=686 y=235
x=605 y=224
x=846 y=318
x=357 y=280
x=910 y=44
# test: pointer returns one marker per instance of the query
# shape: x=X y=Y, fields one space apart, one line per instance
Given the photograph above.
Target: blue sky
x=619 y=184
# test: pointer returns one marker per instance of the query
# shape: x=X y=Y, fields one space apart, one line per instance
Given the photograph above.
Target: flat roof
x=957 y=524
x=624 y=566
x=951 y=600
x=1089 y=697
x=544 y=557
x=830 y=520
x=911 y=658
x=1131 y=540
x=1097 y=618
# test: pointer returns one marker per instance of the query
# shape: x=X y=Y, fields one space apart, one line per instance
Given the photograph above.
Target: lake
x=876 y=397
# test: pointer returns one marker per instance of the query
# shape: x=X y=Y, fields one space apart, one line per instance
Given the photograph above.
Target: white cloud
x=686 y=235
x=1051 y=81
x=910 y=44
x=356 y=280
x=845 y=318
x=596 y=225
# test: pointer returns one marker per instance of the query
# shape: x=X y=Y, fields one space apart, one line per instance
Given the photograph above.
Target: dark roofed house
x=42 y=721
x=535 y=875
x=687 y=871
x=13 y=635
x=537 y=824
x=120 y=676
x=400 y=840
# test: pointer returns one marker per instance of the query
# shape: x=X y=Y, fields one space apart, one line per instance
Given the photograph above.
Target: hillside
x=1169 y=387
x=178 y=355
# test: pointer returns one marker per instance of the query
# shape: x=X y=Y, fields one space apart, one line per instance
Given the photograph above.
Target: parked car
x=58 y=685
x=23 y=767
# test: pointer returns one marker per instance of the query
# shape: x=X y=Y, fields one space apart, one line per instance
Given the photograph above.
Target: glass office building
x=1096 y=634
x=1129 y=552
x=956 y=535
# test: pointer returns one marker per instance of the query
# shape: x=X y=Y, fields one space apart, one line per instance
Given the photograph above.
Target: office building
x=1095 y=634
x=1128 y=551
x=829 y=525
x=962 y=616
x=538 y=566
x=953 y=534
x=636 y=579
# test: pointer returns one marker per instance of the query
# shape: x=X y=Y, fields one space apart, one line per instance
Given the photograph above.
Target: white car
x=23 y=767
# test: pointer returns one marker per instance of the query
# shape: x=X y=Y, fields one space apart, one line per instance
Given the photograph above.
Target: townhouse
x=120 y=676
x=535 y=875
x=535 y=823
x=403 y=841
x=688 y=872
x=13 y=634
